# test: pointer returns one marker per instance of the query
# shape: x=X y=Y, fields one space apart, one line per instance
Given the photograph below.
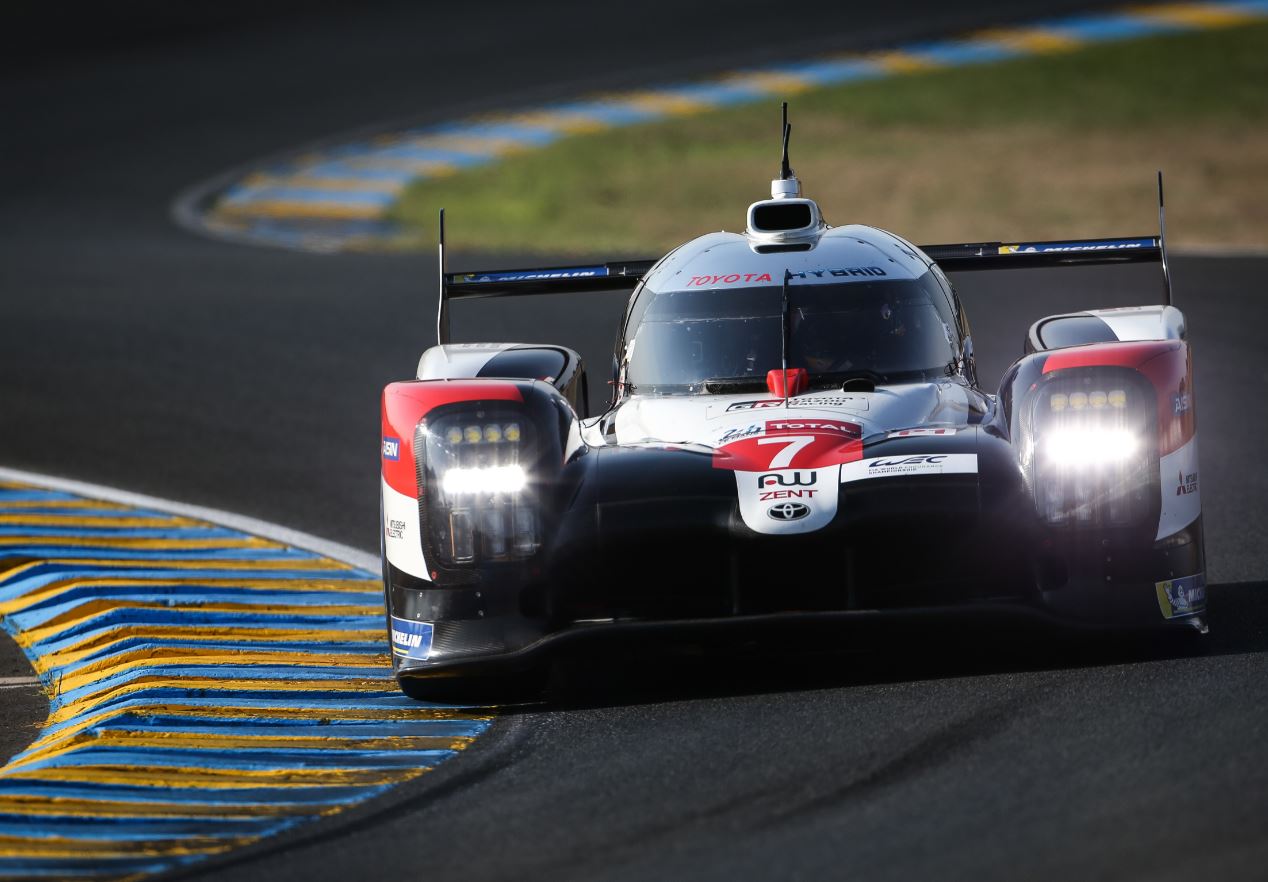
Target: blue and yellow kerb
x=339 y=198
x=208 y=688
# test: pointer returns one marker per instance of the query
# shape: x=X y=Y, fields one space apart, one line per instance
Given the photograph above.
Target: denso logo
x=728 y=279
x=933 y=459
x=391 y=448
x=788 y=479
x=407 y=640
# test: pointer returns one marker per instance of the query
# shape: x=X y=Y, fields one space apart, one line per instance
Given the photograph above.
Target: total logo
x=1187 y=484
x=391 y=448
x=788 y=511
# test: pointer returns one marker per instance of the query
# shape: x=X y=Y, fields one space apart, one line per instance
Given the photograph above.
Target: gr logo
x=787 y=479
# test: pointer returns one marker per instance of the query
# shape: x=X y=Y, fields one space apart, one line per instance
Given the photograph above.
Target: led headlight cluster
x=474 y=471
x=1091 y=453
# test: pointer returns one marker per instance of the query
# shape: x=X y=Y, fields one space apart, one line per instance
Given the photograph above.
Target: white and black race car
x=796 y=395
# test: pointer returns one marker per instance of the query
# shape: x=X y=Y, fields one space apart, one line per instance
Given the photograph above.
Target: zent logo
x=391 y=448
x=787 y=479
x=788 y=511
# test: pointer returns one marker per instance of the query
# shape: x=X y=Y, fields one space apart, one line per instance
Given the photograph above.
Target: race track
x=246 y=379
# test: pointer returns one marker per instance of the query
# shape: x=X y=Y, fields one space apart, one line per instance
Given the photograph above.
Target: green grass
x=1054 y=145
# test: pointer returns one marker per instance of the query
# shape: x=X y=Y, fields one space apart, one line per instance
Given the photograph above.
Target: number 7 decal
x=793 y=444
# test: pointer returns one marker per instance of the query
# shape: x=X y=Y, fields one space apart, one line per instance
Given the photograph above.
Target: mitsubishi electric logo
x=788 y=511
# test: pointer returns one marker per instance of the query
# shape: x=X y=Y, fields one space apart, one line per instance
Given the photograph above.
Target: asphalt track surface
x=136 y=355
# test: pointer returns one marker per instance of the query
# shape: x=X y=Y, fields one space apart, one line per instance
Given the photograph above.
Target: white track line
x=265 y=529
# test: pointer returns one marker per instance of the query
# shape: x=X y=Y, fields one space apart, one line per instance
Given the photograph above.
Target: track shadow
x=627 y=673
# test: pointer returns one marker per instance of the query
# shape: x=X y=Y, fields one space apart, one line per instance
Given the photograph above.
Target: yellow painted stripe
x=771 y=83
x=52 y=806
x=205 y=634
x=134 y=544
x=303 y=178
x=219 y=779
x=1037 y=41
x=174 y=655
x=228 y=564
x=659 y=102
x=283 y=208
x=429 y=167
x=901 y=62
x=475 y=145
x=318 y=716
x=221 y=687
x=59 y=847
x=572 y=123
x=71 y=504
x=75 y=518
x=141 y=740
x=63 y=586
x=145 y=658
x=92 y=609
x=1194 y=15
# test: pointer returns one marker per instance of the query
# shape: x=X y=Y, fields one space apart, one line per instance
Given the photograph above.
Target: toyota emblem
x=788 y=511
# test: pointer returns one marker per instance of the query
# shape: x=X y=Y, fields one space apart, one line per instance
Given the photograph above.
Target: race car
x=796 y=434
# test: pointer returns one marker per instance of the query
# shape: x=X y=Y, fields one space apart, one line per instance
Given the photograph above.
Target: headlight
x=1089 y=447
x=475 y=497
x=1092 y=460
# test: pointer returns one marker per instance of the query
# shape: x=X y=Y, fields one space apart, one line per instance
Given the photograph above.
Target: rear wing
x=624 y=275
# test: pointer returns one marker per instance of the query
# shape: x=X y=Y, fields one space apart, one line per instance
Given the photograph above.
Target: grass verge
x=1043 y=147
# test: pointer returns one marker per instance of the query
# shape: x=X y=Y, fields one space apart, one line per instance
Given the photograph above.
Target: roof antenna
x=783 y=312
x=786 y=185
x=442 y=310
x=1162 y=241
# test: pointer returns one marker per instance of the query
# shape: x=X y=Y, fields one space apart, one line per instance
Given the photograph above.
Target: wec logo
x=934 y=459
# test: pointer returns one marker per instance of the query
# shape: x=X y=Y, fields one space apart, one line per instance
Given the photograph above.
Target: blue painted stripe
x=176 y=531
x=538 y=136
x=133 y=644
x=957 y=53
x=299 y=796
x=61 y=868
x=108 y=623
x=459 y=158
x=1101 y=28
x=105 y=552
x=456 y=728
x=123 y=829
x=28 y=494
x=39 y=613
x=243 y=759
x=222 y=671
x=344 y=171
x=246 y=196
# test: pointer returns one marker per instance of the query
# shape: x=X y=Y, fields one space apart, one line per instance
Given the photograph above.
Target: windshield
x=891 y=330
